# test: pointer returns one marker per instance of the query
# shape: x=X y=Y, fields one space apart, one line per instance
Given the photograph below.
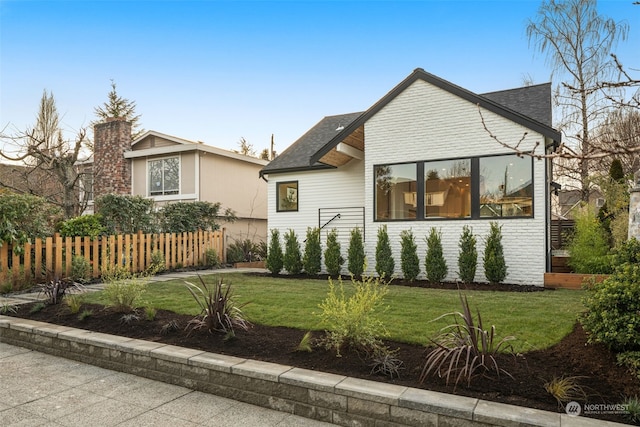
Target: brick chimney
x=112 y=172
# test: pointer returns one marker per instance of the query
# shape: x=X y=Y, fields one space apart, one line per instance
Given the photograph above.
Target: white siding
x=428 y=123
x=329 y=188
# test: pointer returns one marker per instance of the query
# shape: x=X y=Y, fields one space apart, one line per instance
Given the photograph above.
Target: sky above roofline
x=218 y=71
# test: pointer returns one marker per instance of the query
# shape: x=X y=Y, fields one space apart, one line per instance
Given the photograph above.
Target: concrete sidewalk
x=43 y=390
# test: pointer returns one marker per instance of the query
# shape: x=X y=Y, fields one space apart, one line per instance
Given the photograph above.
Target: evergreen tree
x=119 y=107
x=434 y=263
x=468 y=256
x=495 y=267
x=409 y=261
x=385 y=265
x=332 y=257
x=274 y=261
x=356 y=253
x=292 y=255
x=312 y=259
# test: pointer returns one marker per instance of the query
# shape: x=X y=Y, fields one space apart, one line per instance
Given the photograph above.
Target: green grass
x=538 y=320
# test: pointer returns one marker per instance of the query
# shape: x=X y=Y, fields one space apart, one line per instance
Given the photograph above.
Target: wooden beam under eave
x=355 y=139
x=334 y=158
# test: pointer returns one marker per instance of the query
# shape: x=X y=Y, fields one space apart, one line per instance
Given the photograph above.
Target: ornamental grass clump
x=565 y=389
x=218 y=309
x=465 y=349
x=352 y=318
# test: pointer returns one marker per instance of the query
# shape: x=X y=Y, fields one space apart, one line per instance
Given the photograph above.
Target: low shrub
x=80 y=269
x=409 y=261
x=274 y=262
x=312 y=259
x=589 y=246
x=125 y=295
x=495 y=266
x=465 y=349
x=333 y=259
x=211 y=258
x=292 y=260
x=84 y=225
x=218 y=309
x=612 y=309
x=85 y=314
x=158 y=263
x=352 y=321
x=385 y=264
x=355 y=254
x=434 y=263
x=468 y=256
x=631 y=360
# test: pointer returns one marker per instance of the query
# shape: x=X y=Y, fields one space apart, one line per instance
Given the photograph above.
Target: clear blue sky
x=216 y=71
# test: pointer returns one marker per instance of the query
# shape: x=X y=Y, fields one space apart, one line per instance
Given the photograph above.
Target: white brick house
x=420 y=158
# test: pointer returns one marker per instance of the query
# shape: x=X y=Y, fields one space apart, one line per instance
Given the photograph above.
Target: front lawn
x=537 y=319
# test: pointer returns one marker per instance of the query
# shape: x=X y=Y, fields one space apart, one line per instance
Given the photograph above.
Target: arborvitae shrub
x=274 y=260
x=312 y=259
x=589 y=245
x=332 y=257
x=409 y=261
x=292 y=256
x=495 y=267
x=356 y=253
x=468 y=256
x=385 y=265
x=434 y=262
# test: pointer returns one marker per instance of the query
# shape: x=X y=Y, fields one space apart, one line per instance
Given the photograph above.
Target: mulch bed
x=599 y=375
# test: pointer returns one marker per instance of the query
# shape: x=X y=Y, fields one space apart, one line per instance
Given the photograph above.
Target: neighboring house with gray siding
x=169 y=169
x=420 y=158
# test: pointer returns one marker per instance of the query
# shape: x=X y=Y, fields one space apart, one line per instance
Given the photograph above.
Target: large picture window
x=477 y=187
x=287 y=196
x=164 y=176
x=506 y=186
x=447 y=189
x=396 y=191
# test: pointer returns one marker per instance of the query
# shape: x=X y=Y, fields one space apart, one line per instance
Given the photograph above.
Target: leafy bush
x=125 y=295
x=126 y=214
x=158 y=262
x=84 y=225
x=409 y=261
x=312 y=259
x=180 y=217
x=434 y=263
x=612 y=309
x=589 y=246
x=356 y=253
x=332 y=257
x=465 y=349
x=385 y=265
x=495 y=267
x=630 y=359
x=243 y=251
x=292 y=260
x=218 y=310
x=211 y=258
x=25 y=217
x=468 y=256
x=114 y=273
x=627 y=253
x=352 y=321
x=80 y=269
x=274 y=261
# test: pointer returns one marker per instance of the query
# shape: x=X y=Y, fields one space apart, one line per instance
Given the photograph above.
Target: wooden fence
x=52 y=257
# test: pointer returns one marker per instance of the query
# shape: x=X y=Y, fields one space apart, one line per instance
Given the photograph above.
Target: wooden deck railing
x=44 y=259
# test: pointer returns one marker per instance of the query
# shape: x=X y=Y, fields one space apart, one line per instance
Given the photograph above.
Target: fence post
x=38 y=259
x=27 y=262
x=57 y=271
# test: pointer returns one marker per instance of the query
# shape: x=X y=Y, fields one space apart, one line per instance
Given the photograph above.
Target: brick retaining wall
x=327 y=397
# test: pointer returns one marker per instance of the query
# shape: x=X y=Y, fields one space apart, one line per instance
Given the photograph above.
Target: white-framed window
x=164 y=176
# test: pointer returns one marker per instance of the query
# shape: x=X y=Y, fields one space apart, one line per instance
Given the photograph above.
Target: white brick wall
x=428 y=123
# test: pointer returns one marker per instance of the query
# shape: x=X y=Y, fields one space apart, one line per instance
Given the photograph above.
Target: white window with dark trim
x=471 y=188
x=287 y=196
x=164 y=176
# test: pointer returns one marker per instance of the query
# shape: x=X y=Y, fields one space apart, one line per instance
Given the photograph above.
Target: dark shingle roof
x=529 y=106
x=531 y=101
x=297 y=156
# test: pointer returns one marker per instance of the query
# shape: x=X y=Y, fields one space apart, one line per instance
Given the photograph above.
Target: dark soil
x=599 y=376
